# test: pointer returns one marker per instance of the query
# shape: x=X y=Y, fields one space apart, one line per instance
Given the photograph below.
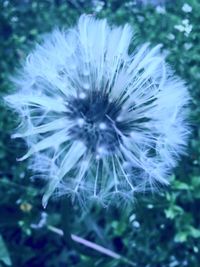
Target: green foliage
x=4 y=255
x=159 y=230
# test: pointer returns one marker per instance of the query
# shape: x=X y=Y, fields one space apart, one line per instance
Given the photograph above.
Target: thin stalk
x=80 y=244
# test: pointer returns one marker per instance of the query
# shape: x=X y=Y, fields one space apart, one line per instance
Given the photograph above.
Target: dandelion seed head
x=97 y=123
x=100 y=122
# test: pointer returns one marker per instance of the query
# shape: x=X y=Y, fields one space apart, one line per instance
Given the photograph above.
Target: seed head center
x=94 y=120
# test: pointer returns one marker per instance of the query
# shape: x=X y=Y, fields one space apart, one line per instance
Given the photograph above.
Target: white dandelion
x=99 y=121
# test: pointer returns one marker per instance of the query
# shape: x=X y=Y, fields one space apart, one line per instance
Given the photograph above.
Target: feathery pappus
x=100 y=121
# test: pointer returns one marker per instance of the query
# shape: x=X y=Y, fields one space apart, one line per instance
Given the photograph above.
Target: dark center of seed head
x=95 y=121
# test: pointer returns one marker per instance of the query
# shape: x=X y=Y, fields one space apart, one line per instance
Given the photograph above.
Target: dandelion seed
x=99 y=121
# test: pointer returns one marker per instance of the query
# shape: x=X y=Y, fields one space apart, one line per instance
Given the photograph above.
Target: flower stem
x=93 y=246
x=80 y=244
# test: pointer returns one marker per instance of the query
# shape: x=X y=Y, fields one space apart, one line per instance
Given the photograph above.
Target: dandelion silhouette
x=99 y=121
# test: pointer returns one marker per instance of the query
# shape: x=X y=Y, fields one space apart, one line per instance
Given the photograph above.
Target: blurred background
x=161 y=230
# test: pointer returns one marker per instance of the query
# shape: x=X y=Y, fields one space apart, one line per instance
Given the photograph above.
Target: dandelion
x=99 y=121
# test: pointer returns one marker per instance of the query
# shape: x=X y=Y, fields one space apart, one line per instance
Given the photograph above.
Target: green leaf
x=195 y=233
x=181 y=237
x=4 y=255
x=173 y=211
x=181 y=185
